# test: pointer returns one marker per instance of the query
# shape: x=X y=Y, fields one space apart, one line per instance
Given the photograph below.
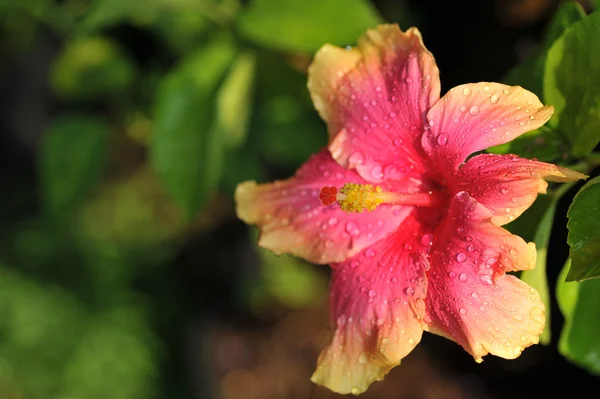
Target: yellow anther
x=358 y=197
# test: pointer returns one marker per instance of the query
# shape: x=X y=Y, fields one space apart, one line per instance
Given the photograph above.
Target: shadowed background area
x=126 y=126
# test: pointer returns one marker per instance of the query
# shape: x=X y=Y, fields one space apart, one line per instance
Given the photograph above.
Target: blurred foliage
x=579 y=303
x=144 y=150
x=584 y=234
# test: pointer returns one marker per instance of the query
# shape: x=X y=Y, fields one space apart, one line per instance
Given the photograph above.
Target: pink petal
x=473 y=117
x=293 y=220
x=377 y=308
x=470 y=298
x=374 y=99
x=506 y=184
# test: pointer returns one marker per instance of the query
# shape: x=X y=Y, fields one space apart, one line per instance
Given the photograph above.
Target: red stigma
x=328 y=195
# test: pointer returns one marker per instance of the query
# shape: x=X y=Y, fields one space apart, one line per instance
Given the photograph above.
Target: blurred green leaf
x=289 y=131
x=72 y=159
x=186 y=149
x=234 y=100
x=539 y=218
x=39 y=325
x=241 y=165
x=292 y=25
x=584 y=234
x=90 y=68
x=543 y=144
x=292 y=281
x=566 y=15
x=115 y=359
x=572 y=84
x=580 y=306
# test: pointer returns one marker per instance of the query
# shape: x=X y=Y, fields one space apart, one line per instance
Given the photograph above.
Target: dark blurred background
x=126 y=126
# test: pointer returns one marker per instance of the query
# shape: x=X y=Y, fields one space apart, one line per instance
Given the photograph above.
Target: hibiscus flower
x=408 y=221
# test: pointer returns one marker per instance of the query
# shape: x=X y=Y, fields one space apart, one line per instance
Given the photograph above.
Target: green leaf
x=72 y=158
x=543 y=144
x=580 y=306
x=234 y=100
x=292 y=25
x=186 y=148
x=568 y=13
x=119 y=334
x=40 y=325
x=289 y=131
x=537 y=278
x=90 y=68
x=584 y=234
x=572 y=84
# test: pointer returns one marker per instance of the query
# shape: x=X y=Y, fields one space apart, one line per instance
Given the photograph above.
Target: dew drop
x=372 y=293
x=397 y=142
x=463 y=277
x=506 y=92
x=411 y=341
x=536 y=314
x=474 y=295
x=463 y=108
x=442 y=139
x=474 y=110
x=352 y=228
x=370 y=252
x=341 y=321
x=332 y=221
x=452 y=274
x=356 y=158
x=466 y=91
x=485 y=279
x=494 y=98
x=462 y=311
x=426 y=240
x=362 y=359
x=409 y=291
x=518 y=317
x=461 y=257
x=470 y=248
x=377 y=172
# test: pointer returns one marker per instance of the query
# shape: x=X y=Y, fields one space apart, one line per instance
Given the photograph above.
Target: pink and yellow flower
x=410 y=226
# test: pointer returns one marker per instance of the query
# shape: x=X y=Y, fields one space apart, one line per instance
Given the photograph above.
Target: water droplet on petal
x=536 y=314
x=466 y=91
x=485 y=279
x=411 y=341
x=463 y=108
x=370 y=252
x=463 y=277
x=462 y=311
x=409 y=291
x=470 y=248
x=397 y=142
x=352 y=228
x=452 y=274
x=474 y=110
x=426 y=240
x=461 y=257
x=341 y=321
x=332 y=221
x=362 y=359
x=356 y=158
x=518 y=317
x=442 y=139
x=377 y=172
x=372 y=293
x=494 y=98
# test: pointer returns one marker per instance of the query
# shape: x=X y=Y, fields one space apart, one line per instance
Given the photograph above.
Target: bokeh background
x=126 y=125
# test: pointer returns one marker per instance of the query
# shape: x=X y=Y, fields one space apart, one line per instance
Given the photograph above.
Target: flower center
x=354 y=197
